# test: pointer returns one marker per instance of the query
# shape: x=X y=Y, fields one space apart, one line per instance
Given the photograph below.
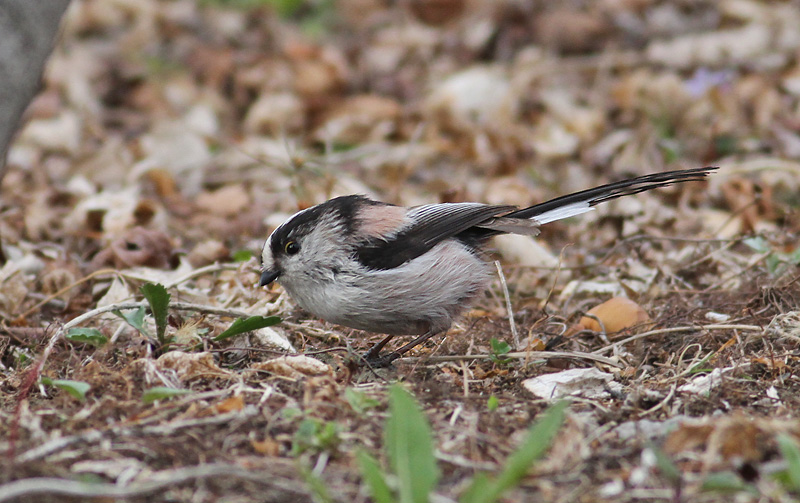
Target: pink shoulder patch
x=382 y=220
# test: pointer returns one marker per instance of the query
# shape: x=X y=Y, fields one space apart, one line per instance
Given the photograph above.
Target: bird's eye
x=291 y=248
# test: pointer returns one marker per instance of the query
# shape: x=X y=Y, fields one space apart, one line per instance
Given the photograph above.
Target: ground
x=170 y=137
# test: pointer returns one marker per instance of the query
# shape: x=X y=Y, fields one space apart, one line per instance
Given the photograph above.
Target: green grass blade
x=533 y=447
x=479 y=491
x=373 y=476
x=319 y=491
x=666 y=466
x=161 y=393
x=77 y=389
x=410 y=447
x=158 y=298
x=135 y=319
x=723 y=482
x=241 y=326
x=90 y=336
x=791 y=454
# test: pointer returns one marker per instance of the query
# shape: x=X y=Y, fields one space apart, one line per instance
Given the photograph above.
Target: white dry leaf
x=524 y=250
x=17 y=278
x=592 y=286
x=360 y=119
x=269 y=154
x=106 y=165
x=228 y=200
x=274 y=220
x=295 y=367
x=791 y=81
x=14 y=287
x=480 y=95
x=80 y=187
x=111 y=468
x=512 y=189
x=272 y=338
x=175 y=148
x=24 y=156
x=772 y=393
x=275 y=114
x=399 y=155
x=385 y=54
x=181 y=92
x=786 y=325
x=551 y=140
x=789 y=141
x=586 y=382
x=76 y=71
x=39 y=216
x=586 y=123
x=715 y=317
x=604 y=150
x=703 y=384
x=646 y=429
x=230 y=23
x=720 y=224
x=611 y=489
x=60 y=134
x=117 y=293
x=722 y=47
x=202 y=119
x=117 y=209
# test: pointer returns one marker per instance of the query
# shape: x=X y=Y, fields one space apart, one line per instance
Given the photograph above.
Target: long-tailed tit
x=410 y=271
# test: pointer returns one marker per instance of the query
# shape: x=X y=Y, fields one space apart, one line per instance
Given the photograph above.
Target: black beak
x=268 y=277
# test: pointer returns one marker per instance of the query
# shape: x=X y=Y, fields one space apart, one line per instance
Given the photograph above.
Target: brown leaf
x=138 y=247
x=268 y=446
x=189 y=366
x=230 y=404
x=615 y=314
x=294 y=367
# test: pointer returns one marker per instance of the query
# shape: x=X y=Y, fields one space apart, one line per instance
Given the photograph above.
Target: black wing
x=430 y=225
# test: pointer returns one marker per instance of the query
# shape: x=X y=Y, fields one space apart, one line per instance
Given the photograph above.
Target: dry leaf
x=294 y=367
x=138 y=247
x=190 y=366
x=230 y=404
x=616 y=314
x=588 y=383
x=268 y=446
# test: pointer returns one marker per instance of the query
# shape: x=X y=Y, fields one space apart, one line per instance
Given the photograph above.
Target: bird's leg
x=374 y=360
x=372 y=354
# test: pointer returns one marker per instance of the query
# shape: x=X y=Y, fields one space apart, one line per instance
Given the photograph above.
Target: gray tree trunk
x=28 y=29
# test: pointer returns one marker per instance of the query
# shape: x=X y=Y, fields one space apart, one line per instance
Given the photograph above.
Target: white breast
x=421 y=295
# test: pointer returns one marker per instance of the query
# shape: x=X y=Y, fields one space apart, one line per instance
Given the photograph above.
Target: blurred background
x=211 y=120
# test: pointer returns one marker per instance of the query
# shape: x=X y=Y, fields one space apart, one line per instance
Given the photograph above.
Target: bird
x=411 y=271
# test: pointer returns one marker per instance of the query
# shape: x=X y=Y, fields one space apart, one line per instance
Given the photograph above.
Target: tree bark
x=28 y=29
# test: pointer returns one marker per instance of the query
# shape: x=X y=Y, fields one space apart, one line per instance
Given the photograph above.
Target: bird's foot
x=375 y=361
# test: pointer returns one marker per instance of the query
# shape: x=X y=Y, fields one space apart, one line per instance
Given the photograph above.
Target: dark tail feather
x=614 y=190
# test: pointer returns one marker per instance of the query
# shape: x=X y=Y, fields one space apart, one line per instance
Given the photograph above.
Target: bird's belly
x=419 y=296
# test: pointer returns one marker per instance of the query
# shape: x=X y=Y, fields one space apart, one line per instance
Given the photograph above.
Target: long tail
x=585 y=200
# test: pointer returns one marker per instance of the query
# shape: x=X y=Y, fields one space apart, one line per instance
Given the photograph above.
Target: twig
x=662 y=402
x=517 y=355
x=752 y=328
x=514 y=333
x=27 y=488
